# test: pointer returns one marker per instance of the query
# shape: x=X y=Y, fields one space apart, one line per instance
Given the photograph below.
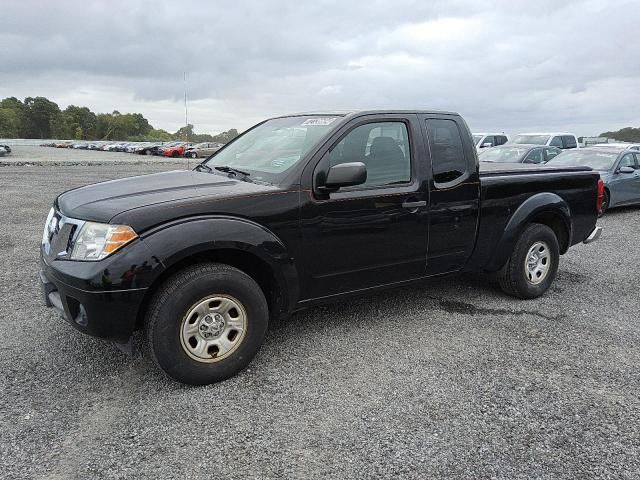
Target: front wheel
x=194 y=155
x=206 y=323
x=533 y=264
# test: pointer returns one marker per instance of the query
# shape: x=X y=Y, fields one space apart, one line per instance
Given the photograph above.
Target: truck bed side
x=514 y=195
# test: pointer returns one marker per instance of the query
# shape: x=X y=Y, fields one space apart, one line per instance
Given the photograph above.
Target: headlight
x=98 y=240
x=48 y=227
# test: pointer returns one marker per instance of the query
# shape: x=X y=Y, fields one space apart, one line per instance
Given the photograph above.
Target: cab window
x=501 y=140
x=383 y=147
x=488 y=139
x=556 y=142
x=569 y=141
x=447 y=154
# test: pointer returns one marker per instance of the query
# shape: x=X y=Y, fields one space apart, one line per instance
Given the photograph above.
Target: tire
x=175 y=154
x=175 y=333
x=605 y=203
x=515 y=278
x=148 y=152
x=194 y=155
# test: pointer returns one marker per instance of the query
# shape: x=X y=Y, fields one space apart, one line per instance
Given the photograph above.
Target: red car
x=176 y=150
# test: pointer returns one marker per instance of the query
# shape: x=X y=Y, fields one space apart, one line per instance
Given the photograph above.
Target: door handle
x=414 y=205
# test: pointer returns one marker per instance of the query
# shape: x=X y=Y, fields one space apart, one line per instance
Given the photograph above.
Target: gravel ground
x=450 y=379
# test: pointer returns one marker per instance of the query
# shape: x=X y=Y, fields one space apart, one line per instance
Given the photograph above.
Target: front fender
x=534 y=206
x=177 y=240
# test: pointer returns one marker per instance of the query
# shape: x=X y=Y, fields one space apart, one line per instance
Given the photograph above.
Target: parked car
x=619 y=169
x=160 y=149
x=176 y=150
x=5 y=150
x=518 y=154
x=151 y=148
x=202 y=259
x=624 y=145
x=201 y=150
x=556 y=139
x=487 y=140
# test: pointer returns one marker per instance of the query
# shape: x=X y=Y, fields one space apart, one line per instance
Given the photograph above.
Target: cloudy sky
x=507 y=65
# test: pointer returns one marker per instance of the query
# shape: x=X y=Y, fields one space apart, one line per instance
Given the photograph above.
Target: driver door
x=371 y=234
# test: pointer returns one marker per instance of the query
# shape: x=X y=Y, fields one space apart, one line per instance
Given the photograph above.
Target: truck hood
x=101 y=202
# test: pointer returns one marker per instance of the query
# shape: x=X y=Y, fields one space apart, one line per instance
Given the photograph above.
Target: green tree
x=79 y=119
x=627 y=134
x=41 y=116
x=12 y=118
x=184 y=133
x=226 y=137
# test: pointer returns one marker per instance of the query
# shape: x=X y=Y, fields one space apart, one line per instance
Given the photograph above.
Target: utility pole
x=186 y=115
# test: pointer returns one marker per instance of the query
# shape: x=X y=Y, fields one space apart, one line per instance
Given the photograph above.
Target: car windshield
x=476 y=139
x=503 y=154
x=532 y=139
x=269 y=150
x=596 y=160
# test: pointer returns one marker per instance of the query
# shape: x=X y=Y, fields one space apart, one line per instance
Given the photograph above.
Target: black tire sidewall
x=164 y=327
x=532 y=234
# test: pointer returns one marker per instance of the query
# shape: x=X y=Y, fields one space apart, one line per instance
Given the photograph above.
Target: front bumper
x=109 y=315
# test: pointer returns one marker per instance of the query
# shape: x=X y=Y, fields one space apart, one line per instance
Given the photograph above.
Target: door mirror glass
x=626 y=170
x=346 y=175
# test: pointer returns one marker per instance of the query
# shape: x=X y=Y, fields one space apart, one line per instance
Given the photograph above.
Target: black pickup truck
x=299 y=210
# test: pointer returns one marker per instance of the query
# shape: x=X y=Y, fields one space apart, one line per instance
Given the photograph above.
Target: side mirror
x=487 y=144
x=345 y=175
x=626 y=170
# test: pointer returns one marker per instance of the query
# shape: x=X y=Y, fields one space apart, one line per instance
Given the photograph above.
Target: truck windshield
x=531 y=139
x=269 y=150
x=596 y=160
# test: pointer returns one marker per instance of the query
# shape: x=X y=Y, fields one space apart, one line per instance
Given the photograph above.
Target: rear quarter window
x=447 y=153
x=569 y=141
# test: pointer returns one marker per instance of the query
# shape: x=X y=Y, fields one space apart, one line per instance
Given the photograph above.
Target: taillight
x=600 y=197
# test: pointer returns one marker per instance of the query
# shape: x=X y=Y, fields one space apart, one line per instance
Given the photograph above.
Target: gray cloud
x=508 y=65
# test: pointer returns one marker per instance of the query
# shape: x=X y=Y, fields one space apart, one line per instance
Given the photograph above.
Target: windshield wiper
x=201 y=166
x=233 y=171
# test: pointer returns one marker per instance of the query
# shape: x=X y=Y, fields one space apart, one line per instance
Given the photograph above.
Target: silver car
x=619 y=169
x=201 y=150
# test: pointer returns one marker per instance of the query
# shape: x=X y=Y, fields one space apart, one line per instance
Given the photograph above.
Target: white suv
x=554 y=139
x=485 y=140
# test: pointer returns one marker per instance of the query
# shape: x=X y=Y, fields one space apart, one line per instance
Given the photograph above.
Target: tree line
x=627 y=134
x=39 y=117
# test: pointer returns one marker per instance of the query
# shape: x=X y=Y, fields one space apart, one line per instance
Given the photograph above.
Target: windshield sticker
x=321 y=121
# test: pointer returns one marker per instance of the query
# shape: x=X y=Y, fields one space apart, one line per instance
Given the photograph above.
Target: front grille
x=58 y=236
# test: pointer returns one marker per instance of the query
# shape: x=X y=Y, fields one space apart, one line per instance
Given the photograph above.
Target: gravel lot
x=448 y=379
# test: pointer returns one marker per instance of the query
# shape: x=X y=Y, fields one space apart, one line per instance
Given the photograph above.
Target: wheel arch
x=545 y=208
x=260 y=254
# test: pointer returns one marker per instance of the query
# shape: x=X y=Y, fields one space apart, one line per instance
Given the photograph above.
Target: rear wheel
x=194 y=155
x=533 y=264
x=206 y=323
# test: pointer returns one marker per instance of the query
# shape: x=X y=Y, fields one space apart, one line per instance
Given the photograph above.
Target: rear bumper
x=111 y=315
x=594 y=235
